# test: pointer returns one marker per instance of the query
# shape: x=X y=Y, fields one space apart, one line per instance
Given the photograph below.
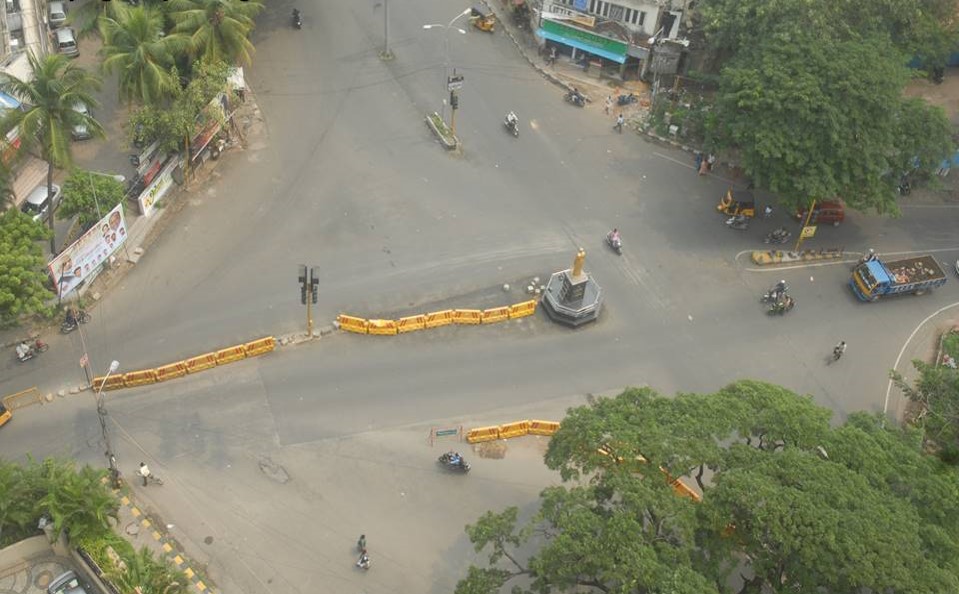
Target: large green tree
x=54 y=87
x=219 y=30
x=811 y=94
x=23 y=281
x=136 y=48
x=788 y=504
x=90 y=196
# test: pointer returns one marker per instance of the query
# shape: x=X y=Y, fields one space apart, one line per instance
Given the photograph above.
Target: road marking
x=895 y=367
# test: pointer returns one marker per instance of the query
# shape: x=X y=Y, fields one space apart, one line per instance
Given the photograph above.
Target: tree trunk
x=51 y=208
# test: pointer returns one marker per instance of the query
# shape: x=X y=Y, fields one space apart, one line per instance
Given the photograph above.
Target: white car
x=81 y=131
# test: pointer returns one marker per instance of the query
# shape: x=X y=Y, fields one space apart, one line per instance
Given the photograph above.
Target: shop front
x=584 y=47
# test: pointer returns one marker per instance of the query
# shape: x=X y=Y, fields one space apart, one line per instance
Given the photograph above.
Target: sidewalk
x=142 y=528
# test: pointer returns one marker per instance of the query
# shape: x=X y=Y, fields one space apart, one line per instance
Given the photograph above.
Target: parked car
x=38 y=202
x=824 y=212
x=81 y=131
x=58 y=14
x=67 y=583
x=67 y=43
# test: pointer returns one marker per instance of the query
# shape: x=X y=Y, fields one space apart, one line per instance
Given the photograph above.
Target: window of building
x=642 y=18
x=592 y=6
x=616 y=12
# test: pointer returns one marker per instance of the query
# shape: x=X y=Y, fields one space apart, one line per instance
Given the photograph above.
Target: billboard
x=82 y=258
x=158 y=187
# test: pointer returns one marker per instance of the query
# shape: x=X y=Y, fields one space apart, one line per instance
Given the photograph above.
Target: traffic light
x=302 y=279
x=314 y=282
x=454 y=100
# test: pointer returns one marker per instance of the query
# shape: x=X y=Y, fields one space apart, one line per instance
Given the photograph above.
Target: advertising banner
x=158 y=187
x=84 y=256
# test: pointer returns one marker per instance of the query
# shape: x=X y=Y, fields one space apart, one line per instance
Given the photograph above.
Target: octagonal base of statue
x=572 y=301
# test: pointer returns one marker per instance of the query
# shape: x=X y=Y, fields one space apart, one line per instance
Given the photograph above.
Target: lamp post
x=446 y=47
x=102 y=415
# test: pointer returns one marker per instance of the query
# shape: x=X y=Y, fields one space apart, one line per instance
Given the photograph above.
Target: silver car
x=68 y=583
x=67 y=43
x=81 y=131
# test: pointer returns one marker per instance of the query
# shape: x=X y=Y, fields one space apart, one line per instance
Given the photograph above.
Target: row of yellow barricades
x=678 y=486
x=436 y=319
x=517 y=429
x=163 y=373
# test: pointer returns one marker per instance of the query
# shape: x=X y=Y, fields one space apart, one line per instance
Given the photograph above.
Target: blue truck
x=877 y=278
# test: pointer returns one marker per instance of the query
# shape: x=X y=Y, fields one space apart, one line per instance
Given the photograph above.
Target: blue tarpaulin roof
x=602 y=53
x=8 y=102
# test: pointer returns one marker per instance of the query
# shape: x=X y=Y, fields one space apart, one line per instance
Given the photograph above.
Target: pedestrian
x=620 y=120
x=711 y=160
x=552 y=56
x=703 y=166
x=144 y=472
x=699 y=160
x=361 y=544
x=767 y=212
x=609 y=103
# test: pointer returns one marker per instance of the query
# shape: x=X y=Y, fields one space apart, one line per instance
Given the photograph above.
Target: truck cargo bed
x=914 y=270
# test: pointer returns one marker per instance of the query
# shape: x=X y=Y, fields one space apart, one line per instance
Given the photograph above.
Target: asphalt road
x=349 y=179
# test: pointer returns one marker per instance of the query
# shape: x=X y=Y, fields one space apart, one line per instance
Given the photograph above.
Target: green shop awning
x=611 y=49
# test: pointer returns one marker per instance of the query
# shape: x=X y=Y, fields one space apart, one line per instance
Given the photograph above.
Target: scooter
x=297 y=21
x=81 y=317
x=363 y=562
x=575 y=98
x=777 y=236
x=738 y=222
x=626 y=99
x=782 y=306
x=446 y=460
x=36 y=348
x=615 y=243
x=512 y=124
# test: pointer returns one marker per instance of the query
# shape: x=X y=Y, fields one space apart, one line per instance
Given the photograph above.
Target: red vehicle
x=825 y=212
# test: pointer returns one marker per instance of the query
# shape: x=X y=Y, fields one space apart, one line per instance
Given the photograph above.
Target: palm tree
x=135 y=46
x=218 y=29
x=49 y=96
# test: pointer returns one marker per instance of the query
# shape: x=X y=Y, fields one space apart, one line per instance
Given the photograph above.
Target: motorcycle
x=615 y=243
x=626 y=99
x=81 y=317
x=782 y=306
x=35 y=349
x=363 y=562
x=575 y=98
x=512 y=124
x=297 y=21
x=777 y=236
x=738 y=222
x=454 y=462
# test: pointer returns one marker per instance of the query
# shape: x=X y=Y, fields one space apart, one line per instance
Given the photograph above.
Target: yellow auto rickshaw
x=482 y=18
x=737 y=202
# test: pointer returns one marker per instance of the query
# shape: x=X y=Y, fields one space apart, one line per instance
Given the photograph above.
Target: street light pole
x=102 y=415
x=387 y=54
x=446 y=48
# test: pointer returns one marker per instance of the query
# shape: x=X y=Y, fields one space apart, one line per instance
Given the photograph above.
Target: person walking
x=144 y=472
x=609 y=103
x=620 y=120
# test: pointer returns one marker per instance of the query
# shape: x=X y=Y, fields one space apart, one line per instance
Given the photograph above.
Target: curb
x=444 y=139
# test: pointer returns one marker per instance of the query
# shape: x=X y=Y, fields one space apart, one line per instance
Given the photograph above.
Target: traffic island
x=442 y=131
x=769 y=257
x=572 y=297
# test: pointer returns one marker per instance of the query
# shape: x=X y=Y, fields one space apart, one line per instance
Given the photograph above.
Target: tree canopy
x=90 y=196
x=811 y=94
x=23 y=282
x=788 y=503
x=936 y=394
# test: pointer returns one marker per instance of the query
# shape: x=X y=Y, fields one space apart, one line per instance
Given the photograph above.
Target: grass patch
x=950 y=344
x=440 y=125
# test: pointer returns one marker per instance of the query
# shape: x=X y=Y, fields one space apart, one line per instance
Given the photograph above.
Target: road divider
x=435 y=319
x=514 y=429
x=170 y=371
x=769 y=257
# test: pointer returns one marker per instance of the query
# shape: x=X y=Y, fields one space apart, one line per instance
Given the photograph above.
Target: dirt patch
x=944 y=95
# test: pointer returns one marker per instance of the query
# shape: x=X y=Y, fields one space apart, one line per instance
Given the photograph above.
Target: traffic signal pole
x=309 y=286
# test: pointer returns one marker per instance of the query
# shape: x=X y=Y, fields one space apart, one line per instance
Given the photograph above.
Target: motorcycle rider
x=511 y=120
x=71 y=318
x=614 y=237
x=23 y=350
x=781 y=289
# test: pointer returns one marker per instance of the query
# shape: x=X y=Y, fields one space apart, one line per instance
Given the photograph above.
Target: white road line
x=895 y=367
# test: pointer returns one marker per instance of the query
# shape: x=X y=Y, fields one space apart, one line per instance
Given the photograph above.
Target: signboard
x=596 y=43
x=82 y=258
x=808 y=232
x=454 y=83
x=581 y=5
x=582 y=19
x=158 y=187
